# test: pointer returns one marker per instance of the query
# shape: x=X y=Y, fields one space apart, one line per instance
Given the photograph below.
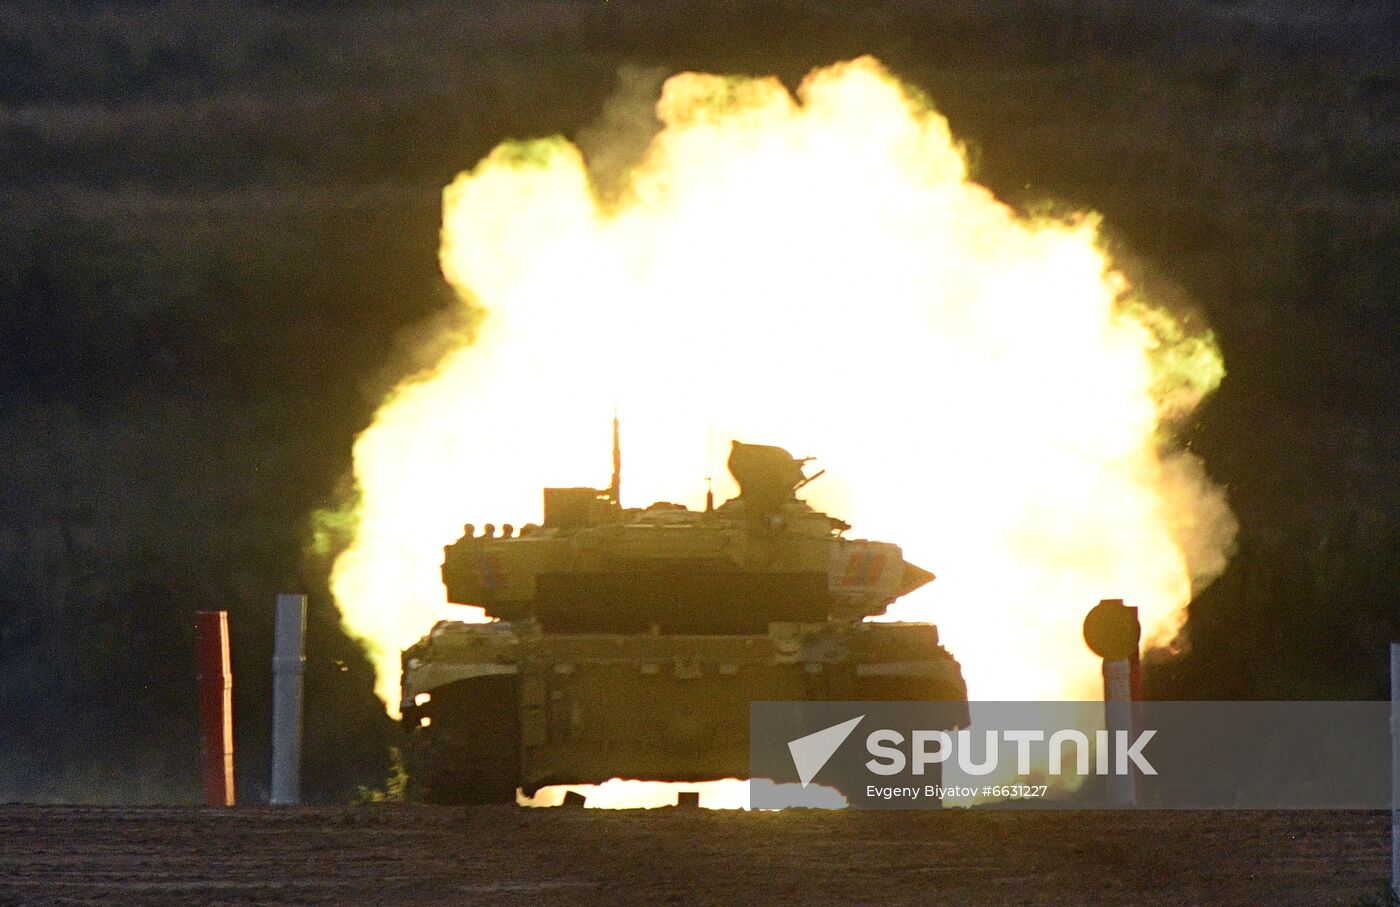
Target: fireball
x=820 y=272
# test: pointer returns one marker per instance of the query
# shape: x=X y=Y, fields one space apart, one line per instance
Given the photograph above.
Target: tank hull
x=490 y=708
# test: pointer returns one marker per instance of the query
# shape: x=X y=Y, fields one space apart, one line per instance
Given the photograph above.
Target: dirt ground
x=385 y=854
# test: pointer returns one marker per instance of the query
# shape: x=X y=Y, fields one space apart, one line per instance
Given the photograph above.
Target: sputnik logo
x=813 y=751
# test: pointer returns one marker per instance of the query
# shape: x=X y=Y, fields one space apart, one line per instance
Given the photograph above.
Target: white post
x=1118 y=721
x=287 y=663
x=1395 y=767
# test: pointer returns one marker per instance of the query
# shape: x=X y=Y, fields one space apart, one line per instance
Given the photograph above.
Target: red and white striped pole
x=216 y=706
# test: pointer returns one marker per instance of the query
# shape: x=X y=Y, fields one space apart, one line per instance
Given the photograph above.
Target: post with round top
x=1112 y=631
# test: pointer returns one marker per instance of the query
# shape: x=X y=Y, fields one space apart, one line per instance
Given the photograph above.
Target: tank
x=629 y=642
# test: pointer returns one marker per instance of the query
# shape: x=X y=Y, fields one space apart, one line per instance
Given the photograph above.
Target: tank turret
x=763 y=557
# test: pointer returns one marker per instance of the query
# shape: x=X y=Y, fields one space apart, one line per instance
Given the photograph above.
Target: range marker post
x=1113 y=633
x=1395 y=767
x=215 y=706
x=288 y=663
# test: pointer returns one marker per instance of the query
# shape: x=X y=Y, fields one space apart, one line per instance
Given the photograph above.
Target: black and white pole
x=1112 y=631
x=288 y=661
x=1395 y=767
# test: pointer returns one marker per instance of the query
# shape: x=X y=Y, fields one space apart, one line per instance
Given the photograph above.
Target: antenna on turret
x=709 y=468
x=615 y=489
